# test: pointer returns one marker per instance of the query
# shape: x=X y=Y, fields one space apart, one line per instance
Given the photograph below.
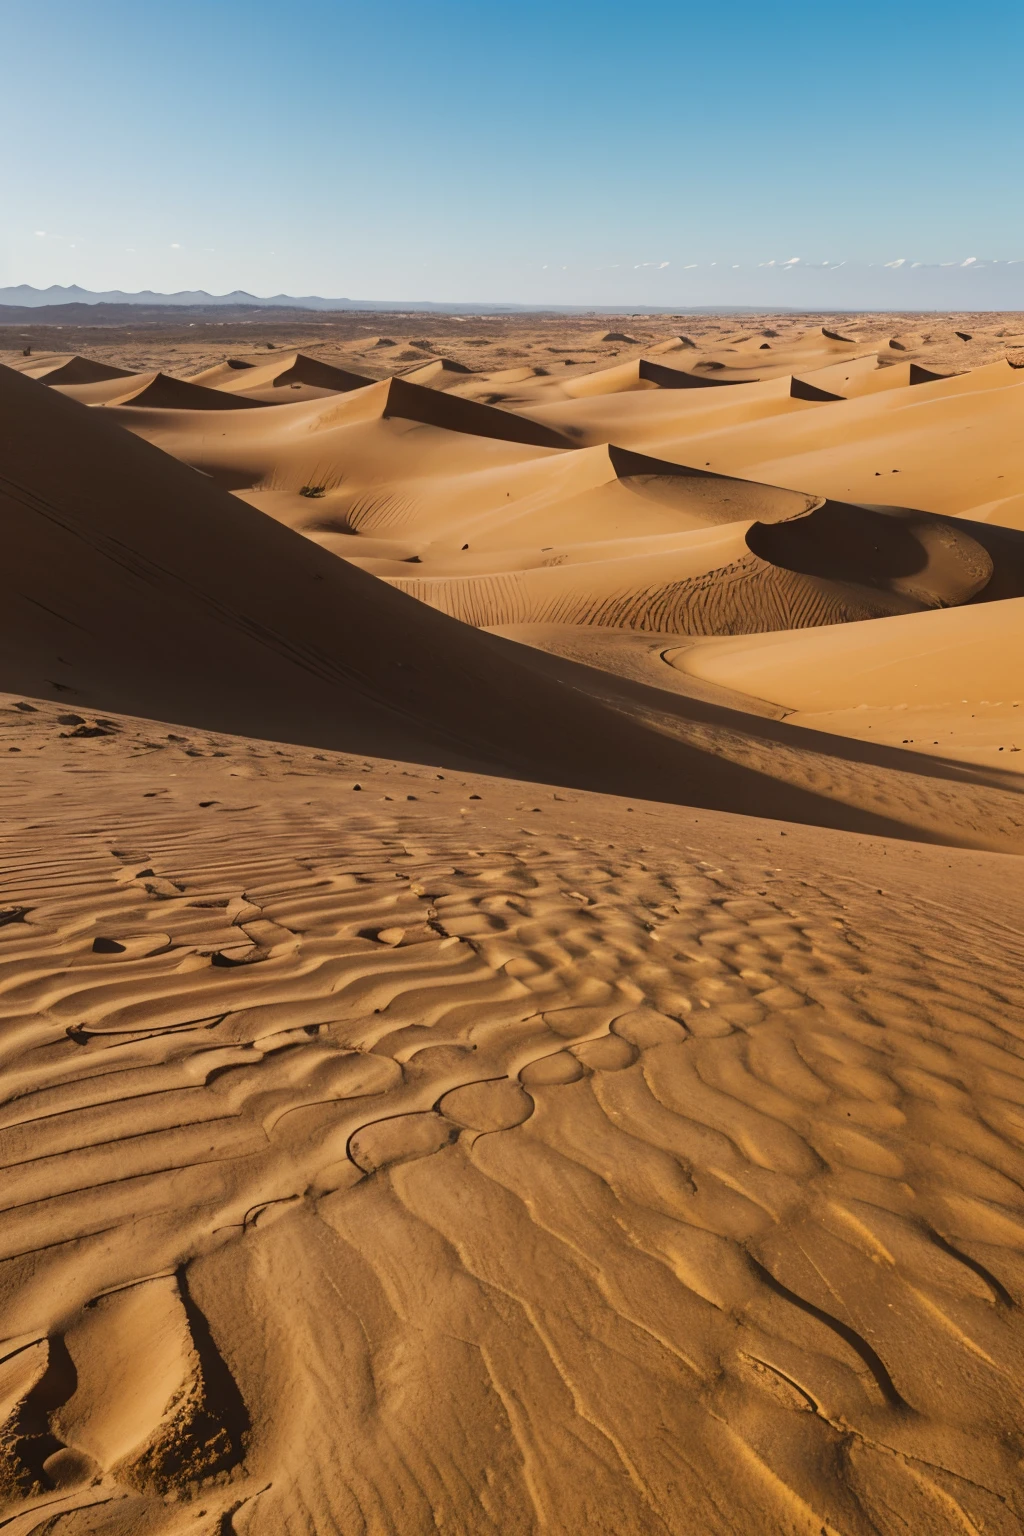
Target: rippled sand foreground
x=520 y=1038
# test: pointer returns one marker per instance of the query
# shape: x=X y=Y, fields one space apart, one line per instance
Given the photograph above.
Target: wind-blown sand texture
x=511 y=937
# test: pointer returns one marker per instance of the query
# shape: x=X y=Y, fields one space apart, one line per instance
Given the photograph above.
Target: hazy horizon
x=968 y=287
x=566 y=156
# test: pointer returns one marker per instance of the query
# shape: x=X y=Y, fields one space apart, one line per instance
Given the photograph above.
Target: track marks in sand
x=503 y=1153
x=129 y=1393
x=747 y=596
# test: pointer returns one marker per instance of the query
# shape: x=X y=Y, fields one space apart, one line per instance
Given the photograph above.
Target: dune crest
x=163 y=392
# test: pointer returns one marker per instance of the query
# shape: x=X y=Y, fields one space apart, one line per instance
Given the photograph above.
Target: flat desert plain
x=512 y=926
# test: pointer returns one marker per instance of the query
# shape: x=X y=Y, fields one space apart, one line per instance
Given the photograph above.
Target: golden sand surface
x=511 y=928
x=190 y=341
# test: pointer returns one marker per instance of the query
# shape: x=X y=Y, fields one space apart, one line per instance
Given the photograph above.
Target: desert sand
x=512 y=927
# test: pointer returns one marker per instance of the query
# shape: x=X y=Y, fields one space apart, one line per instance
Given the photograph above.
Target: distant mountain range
x=794 y=287
x=37 y=298
x=24 y=296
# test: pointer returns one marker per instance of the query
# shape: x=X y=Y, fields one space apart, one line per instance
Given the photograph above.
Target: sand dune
x=1007 y=511
x=922 y=433
x=497 y=386
x=221 y=374
x=276 y=637
x=604 y=493
x=917 y=434
x=64 y=368
x=547 y=1065
x=644 y=420
x=163 y=392
x=834 y=565
x=440 y=373
x=232 y=584
x=366 y=447
x=567 y=537
x=746 y=358
x=947 y=683
x=642 y=374
x=673 y=344
x=866 y=376
x=291 y=377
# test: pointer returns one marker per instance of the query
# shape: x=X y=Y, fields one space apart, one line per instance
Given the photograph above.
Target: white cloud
x=900 y=262
x=691 y=266
x=41 y=234
x=969 y=262
x=792 y=262
x=175 y=246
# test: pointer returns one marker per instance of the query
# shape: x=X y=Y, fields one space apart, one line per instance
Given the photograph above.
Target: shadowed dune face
x=551 y=1081
x=928 y=559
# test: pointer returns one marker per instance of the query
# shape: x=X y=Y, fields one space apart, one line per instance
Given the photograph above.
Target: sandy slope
x=291 y=377
x=949 y=683
x=550 y=1065
x=140 y=584
x=441 y=482
x=401 y=1160
x=952 y=443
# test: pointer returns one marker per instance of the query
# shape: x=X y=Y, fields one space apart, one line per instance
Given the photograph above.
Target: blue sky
x=533 y=152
